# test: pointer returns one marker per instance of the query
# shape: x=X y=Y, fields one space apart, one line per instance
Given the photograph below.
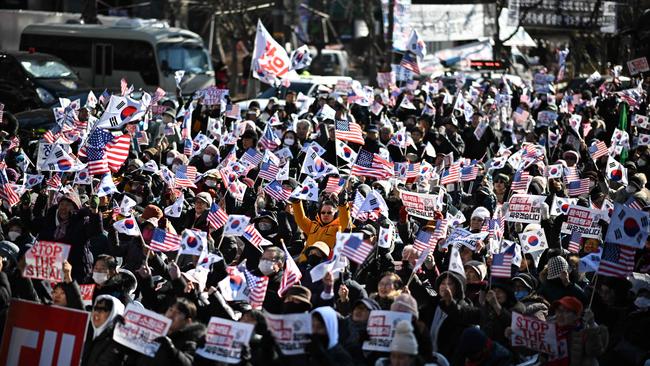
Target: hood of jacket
x=331 y=324
x=458 y=279
x=117 y=309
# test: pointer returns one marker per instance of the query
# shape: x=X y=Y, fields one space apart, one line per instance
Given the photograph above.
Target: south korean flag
x=533 y=241
x=628 y=227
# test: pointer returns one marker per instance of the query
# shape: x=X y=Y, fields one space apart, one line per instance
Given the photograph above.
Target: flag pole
x=593 y=292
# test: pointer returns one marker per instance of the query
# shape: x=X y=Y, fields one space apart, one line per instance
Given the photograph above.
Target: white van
x=146 y=53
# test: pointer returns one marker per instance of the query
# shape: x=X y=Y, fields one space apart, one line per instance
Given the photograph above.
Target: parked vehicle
x=146 y=53
x=35 y=80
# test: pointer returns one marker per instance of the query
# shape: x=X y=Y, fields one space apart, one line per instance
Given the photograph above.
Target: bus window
x=189 y=57
x=136 y=56
x=75 y=51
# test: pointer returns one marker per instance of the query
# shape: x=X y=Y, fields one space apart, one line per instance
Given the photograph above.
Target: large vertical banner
x=42 y=335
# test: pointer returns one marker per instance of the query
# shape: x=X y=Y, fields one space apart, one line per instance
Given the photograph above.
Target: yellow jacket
x=316 y=231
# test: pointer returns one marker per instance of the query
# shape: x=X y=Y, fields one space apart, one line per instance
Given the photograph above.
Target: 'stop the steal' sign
x=533 y=333
x=45 y=261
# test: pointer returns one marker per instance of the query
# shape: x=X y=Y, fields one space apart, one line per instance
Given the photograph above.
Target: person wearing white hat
x=404 y=347
x=479 y=215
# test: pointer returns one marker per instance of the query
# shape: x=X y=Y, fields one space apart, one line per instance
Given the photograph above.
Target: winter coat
x=177 y=349
x=317 y=231
x=102 y=350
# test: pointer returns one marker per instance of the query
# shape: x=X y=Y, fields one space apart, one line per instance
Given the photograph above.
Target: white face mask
x=210 y=183
x=169 y=161
x=13 y=235
x=289 y=142
x=266 y=267
x=207 y=158
x=641 y=162
x=100 y=277
x=630 y=189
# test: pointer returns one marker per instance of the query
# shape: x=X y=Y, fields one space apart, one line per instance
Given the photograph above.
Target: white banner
x=291 y=331
x=381 y=329
x=525 y=208
x=140 y=328
x=225 y=339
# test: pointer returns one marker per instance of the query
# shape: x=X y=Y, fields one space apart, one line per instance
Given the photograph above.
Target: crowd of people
x=466 y=153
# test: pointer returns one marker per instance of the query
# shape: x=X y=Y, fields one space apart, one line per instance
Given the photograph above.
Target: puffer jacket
x=317 y=231
x=587 y=344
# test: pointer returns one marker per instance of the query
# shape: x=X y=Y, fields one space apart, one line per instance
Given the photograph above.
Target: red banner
x=38 y=334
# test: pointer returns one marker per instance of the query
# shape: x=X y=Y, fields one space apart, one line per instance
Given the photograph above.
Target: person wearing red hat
x=580 y=340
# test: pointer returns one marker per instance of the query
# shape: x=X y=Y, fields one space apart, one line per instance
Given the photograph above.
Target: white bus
x=146 y=53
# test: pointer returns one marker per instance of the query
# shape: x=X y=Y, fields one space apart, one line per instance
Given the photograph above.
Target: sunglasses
x=327 y=213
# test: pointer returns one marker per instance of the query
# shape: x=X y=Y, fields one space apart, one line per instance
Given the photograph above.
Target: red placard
x=38 y=334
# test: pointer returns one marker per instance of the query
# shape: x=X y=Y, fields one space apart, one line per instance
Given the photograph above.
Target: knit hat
x=569 y=302
x=205 y=197
x=481 y=212
x=72 y=197
x=405 y=303
x=638 y=181
x=479 y=267
x=151 y=211
x=404 y=340
x=529 y=281
x=472 y=341
x=556 y=265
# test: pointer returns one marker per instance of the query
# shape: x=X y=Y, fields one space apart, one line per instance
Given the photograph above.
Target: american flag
x=291 y=274
x=616 y=260
x=371 y=165
x=117 y=151
x=164 y=241
x=2 y=107
x=104 y=97
x=252 y=156
x=597 y=150
x=142 y=137
x=334 y=185
x=355 y=248
x=14 y=142
x=634 y=203
x=469 y=173
x=424 y=240
x=187 y=147
x=217 y=216
x=520 y=182
x=7 y=191
x=502 y=263
x=413 y=170
x=575 y=241
x=578 y=187
x=440 y=232
x=269 y=140
x=257 y=287
x=49 y=137
x=253 y=236
x=97 y=164
x=54 y=181
x=410 y=63
x=451 y=175
x=268 y=170
x=157 y=96
x=570 y=175
x=349 y=131
x=277 y=192
x=356 y=205
x=185 y=176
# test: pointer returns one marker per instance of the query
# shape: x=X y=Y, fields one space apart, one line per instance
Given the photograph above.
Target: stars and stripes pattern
x=617 y=260
x=54 y=181
x=7 y=191
x=469 y=173
x=371 y=165
x=356 y=249
x=413 y=170
x=348 y=131
x=252 y=156
x=291 y=274
x=570 y=175
x=410 y=62
x=253 y=236
x=334 y=185
x=578 y=187
x=257 y=288
x=268 y=170
x=598 y=150
x=164 y=241
x=520 y=182
x=575 y=241
x=424 y=240
x=451 y=175
x=502 y=263
x=117 y=151
x=217 y=217
x=269 y=140
x=440 y=232
x=185 y=176
x=277 y=192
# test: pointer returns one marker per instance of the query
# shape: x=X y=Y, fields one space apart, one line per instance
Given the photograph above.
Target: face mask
x=266 y=267
x=313 y=260
x=210 y=183
x=630 y=189
x=207 y=158
x=521 y=294
x=169 y=161
x=100 y=277
x=138 y=199
x=642 y=302
x=641 y=162
x=13 y=235
x=293 y=308
x=592 y=184
x=289 y=142
x=265 y=226
x=174 y=167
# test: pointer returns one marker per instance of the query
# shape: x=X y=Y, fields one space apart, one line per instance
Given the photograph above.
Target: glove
x=343 y=197
x=94 y=201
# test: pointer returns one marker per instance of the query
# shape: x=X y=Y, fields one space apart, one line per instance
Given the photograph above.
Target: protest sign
x=525 y=208
x=343 y=86
x=234 y=287
x=45 y=261
x=290 y=331
x=460 y=237
x=212 y=95
x=545 y=118
x=225 y=339
x=419 y=204
x=638 y=65
x=583 y=220
x=381 y=329
x=87 y=294
x=533 y=333
x=35 y=333
x=140 y=328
